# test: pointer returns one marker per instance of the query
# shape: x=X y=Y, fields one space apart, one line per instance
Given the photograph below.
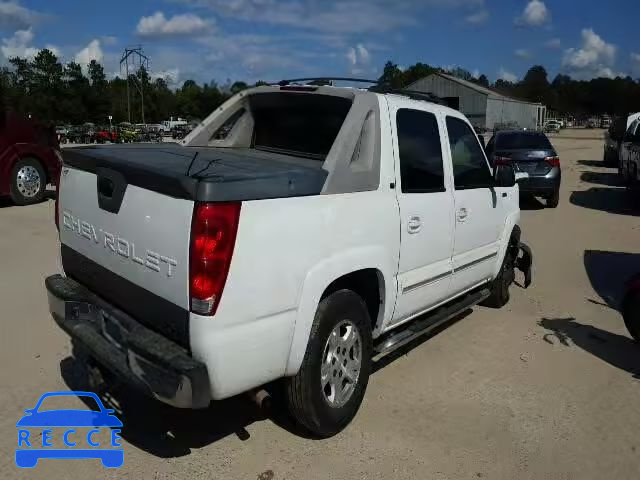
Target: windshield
x=523 y=141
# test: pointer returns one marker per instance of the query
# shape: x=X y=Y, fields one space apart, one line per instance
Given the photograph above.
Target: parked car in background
x=532 y=153
x=630 y=157
x=29 y=158
x=613 y=140
x=591 y=123
x=552 y=126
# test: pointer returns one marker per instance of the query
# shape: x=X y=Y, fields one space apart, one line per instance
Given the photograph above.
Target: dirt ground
x=547 y=387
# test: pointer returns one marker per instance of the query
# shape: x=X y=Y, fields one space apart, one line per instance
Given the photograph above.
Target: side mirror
x=505 y=176
x=482 y=142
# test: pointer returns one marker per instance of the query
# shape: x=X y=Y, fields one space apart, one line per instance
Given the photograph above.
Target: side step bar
x=423 y=325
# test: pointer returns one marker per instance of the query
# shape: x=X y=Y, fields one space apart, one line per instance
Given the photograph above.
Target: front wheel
x=499 y=296
x=327 y=391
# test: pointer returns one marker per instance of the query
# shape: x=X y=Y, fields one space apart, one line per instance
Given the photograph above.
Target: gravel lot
x=546 y=388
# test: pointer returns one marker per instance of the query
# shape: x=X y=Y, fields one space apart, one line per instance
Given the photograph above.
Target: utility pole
x=134 y=56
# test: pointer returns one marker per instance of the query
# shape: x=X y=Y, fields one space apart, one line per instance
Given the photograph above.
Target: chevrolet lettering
x=119 y=246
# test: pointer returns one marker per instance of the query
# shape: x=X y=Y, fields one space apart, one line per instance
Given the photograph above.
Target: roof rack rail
x=377 y=87
x=413 y=94
x=283 y=83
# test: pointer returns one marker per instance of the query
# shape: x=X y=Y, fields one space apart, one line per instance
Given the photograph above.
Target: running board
x=417 y=328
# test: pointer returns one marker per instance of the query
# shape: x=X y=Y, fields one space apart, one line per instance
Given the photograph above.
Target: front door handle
x=414 y=225
x=462 y=214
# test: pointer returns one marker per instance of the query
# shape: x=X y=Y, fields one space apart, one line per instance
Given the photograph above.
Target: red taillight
x=501 y=161
x=213 y=235
x=553 y=161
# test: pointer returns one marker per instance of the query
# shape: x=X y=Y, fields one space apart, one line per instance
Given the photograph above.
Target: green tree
x=47 y=86
x=535 y=86
x=483 y=80
x=392 y=75
x=98 y=101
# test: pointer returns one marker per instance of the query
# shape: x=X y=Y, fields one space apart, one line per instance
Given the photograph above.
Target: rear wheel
x=28 y=181
x=327 y=391
x=553 y=199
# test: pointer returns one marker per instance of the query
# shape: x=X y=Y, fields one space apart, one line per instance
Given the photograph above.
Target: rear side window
x=524 y=141
x=420 y=152
x=470 y=168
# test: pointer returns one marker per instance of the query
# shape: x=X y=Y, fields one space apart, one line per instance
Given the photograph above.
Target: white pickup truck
x=298 y=233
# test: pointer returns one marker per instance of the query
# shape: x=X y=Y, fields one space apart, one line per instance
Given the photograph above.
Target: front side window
x=470 y=168
x=420 y=152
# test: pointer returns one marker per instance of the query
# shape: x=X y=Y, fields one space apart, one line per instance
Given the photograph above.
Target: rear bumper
x=138 y=356
x=542 y=185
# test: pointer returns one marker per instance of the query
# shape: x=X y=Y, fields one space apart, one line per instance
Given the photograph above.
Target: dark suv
x=29 y=158
x=532 y=153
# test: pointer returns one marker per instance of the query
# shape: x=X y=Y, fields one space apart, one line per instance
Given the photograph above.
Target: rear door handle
x=414 y=225
x=462 y=214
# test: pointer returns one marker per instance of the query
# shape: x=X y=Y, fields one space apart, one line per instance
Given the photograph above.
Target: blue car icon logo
x=36 y=424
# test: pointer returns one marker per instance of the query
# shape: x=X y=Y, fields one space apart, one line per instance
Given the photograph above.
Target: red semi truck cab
x=29 y=158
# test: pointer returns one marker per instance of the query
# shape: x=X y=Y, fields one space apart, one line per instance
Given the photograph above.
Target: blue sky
x=273 y=39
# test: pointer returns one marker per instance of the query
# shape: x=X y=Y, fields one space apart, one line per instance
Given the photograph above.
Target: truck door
x=426 y=204
x=479 y=209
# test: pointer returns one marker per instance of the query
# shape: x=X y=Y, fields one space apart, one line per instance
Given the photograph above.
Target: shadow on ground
x=165 y=431
x=611 y=200
x=609 y=179
x=529 y=202
x=169 y=432
x=594 y=163
x=6 y=202
x=617 y=350
x=608 y=272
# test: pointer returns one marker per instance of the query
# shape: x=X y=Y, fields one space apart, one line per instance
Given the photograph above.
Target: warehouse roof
x=476 y=87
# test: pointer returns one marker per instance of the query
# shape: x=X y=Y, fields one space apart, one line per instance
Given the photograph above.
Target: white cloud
x=476 y=73
x=171 y=75
x=359 y=59
x=522 y=53
x=109 y=40
x=477 y=18
x=352 y=56
x=535 y=14
x=93 y=51
x=595 y=58
x=635 y=63
x=19 y=45
x=363 y=54
x=348 y=17
x=15 y=16
x=553 y=43
x=157 y=25
x=507 y=76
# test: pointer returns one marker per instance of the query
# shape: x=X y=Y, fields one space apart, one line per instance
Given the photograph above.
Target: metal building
x=485 y=108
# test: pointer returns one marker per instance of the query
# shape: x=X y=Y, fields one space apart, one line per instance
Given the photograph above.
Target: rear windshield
x=300 y=124
x=513 y=141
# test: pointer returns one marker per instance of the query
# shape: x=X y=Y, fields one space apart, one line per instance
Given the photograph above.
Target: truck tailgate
x=134 y=254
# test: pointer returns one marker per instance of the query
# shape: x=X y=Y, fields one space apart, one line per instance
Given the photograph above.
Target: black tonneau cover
x=205 y=174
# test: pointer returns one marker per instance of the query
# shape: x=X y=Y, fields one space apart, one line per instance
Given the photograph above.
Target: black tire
x=631 y=314
x=553 y=199
x=500 y=286
x=304 y=391
x=21 y=193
